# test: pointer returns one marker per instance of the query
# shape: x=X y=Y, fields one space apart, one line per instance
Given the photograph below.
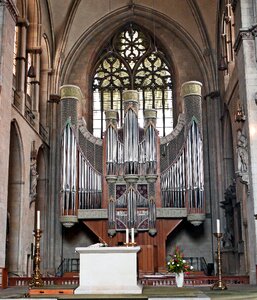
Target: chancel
x=129 y=125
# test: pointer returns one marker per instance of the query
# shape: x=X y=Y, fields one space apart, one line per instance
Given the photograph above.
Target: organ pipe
x=90 y=185
x=69 y=172
x=131 y=133
x=184 y=178
x=79 y=178
x=111 y=143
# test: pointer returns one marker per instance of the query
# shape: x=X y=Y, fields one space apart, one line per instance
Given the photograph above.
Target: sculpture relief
x=242 y=155
x=33 y=180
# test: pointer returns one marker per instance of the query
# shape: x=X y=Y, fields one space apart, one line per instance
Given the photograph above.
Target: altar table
x=108 y=270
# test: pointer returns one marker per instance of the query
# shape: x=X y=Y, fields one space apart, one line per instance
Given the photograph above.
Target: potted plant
x=178 y=265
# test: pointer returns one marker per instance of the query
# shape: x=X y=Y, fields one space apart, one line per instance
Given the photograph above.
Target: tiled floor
x=242 y=292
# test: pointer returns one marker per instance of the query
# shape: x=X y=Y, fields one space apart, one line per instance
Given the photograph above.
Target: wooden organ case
x=132 y=178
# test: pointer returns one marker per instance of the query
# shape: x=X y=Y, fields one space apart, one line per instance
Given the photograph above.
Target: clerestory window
x=132 y=60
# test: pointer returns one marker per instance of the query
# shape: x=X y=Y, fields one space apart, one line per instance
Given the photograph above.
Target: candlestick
x=218 y=225
x=220 y=284
x=38 y=219
x=132 y=236
x=36 y=280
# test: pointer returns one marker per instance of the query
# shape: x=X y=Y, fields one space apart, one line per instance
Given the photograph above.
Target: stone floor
x=242 y=292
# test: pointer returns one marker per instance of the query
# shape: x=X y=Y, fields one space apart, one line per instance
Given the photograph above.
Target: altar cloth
x=108 y=270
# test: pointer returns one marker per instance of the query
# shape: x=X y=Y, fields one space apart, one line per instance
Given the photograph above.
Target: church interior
x=128 y=117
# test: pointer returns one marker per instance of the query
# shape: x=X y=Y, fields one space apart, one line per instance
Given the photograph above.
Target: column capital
x=35 y=50
x=212 y=95
x=22 y=22
x=245 y=34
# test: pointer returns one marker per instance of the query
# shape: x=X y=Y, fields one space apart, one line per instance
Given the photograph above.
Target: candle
x=127 y=236
x=38 y=219
x=132 y=236
x=218 y=225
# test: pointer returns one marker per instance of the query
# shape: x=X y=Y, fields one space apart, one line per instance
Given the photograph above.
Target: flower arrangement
x=176 y=262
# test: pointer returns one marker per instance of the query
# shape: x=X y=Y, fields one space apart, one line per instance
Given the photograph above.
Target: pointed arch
x=45 y=68
x=34 y=18
x=133 y=59
x=14 y=261
x=21 y=6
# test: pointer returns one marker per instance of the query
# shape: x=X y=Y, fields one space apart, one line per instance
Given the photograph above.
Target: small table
x=108 y=270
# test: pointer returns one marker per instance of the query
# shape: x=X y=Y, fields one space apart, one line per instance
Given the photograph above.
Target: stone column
x=35 y=83
x=8 y=16
x=246 y=57
x=22 y=25
x=52 y=252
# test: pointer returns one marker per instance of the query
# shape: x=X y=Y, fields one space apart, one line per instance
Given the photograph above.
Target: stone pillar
x=8 y=16
x=213 y=157
x=52 y=252
x=35 y=83
x=246 y=57
x=22 y=25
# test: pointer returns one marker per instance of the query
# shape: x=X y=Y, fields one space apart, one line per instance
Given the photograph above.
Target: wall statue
x=242 y=152
x=33 y=179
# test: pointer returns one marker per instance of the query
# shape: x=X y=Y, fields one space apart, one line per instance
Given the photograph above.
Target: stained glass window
x=133 y=61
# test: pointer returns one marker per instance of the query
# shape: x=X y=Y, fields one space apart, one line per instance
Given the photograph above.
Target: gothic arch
x=78 y=65
x=165 y=28
x=21 y=6
x=15 y=200
x=45 y=67
x=34 y=18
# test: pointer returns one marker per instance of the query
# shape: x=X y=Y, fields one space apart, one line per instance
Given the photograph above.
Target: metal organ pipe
x=131 y=132
x=184 y=178
x=90 y=185
x=67 y=188
x=111 y=142
x=88 y=179
x=69 y=171
x=150 y=141
x=74 y=173
x=64 y=151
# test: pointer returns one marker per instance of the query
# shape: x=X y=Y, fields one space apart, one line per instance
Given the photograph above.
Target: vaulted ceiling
x=73 y=17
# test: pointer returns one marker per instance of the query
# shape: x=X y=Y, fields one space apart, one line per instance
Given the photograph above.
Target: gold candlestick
x=132 y=244
x=36 y=280
x=220 y=284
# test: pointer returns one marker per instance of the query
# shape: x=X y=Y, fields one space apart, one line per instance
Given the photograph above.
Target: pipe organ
x=141 y=174
x=182 y=183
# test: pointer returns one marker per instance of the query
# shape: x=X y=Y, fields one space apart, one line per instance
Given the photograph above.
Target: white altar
x=108 y=270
